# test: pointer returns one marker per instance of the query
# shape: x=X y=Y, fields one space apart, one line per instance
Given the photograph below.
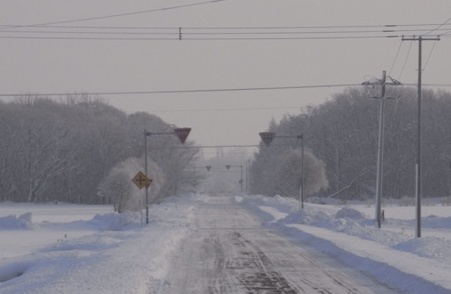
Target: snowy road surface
x=231 y=253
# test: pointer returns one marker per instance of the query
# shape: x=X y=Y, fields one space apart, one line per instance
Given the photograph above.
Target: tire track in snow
x=231 y=253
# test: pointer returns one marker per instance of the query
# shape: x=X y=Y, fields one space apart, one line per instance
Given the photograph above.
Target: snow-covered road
x=236 y=244
x=230 y=252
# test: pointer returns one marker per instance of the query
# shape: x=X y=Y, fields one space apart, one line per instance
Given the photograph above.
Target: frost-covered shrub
x=118 y=185
x=288 y=182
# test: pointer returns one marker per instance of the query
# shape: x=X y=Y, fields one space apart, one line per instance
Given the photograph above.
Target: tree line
x=64 y=150
x=343 y=134
x=79 y=149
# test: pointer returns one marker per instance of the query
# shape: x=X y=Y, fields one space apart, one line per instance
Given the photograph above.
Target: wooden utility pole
x=380 y=144
x=418 y=187
x=380 y=153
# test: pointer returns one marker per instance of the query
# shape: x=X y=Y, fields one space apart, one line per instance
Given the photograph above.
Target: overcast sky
x=69 y=55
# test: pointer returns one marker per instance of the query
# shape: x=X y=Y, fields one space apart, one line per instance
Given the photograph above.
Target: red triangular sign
x=182 y=133
x=267 y=137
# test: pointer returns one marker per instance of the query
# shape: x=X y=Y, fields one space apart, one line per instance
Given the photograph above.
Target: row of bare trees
x=62 y=150
x=343 y=133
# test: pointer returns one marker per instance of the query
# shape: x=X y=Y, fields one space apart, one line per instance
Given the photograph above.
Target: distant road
x=231 y=253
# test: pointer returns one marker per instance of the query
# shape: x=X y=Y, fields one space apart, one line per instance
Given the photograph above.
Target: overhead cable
x=209 y=33
x=197 y=90
x=438 y=27
x=119 y=14
x=182 y=91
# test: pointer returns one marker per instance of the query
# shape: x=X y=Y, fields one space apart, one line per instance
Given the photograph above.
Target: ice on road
x=230 y=252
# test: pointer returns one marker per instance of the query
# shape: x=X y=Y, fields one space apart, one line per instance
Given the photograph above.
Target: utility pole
x=420 y=40
x=380 y=144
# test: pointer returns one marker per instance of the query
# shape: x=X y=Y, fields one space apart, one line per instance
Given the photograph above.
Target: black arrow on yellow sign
x=141 y=180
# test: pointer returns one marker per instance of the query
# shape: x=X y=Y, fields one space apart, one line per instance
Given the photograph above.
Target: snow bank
x=350 y=213
x=13 y=222
x=430 y=247
x=116 y=221
x=119 y=256
x=80 y=250
x=348 y=234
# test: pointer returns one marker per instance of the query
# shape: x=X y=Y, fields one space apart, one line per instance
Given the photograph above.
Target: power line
x=120 y=14
x=386 y=27
x=208 y=33
x=18 y=27
x=438 y=27
x=382 y=26
x=225 y=109
x=200 y=31
x=405 y=62
x=289 y=38
x=140 y=32
x=183 y=91
x=197 y=90
x=87 y=38
x=396 y=57
x=197 y=39
x=429 y=56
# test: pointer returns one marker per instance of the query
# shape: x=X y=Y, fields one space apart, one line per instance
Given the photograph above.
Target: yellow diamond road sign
x=141 y=180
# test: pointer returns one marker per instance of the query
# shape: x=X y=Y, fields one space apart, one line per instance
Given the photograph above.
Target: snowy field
x=62 y=248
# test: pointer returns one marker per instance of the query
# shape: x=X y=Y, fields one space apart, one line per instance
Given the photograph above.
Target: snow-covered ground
x=63 y=248
x=348 y=232
x=88 y=249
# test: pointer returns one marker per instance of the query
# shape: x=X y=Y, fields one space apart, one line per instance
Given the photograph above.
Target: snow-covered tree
x=289 y=173
x=343 y=132
x=61 y=150
x=119 y=188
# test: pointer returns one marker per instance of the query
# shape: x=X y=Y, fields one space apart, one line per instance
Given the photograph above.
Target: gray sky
x=217 y=118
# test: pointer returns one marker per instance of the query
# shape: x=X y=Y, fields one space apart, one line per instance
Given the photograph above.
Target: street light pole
x=241 y=179
x=182 y=134
x=241 y=175
x=302 y=171
x=145 y=172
